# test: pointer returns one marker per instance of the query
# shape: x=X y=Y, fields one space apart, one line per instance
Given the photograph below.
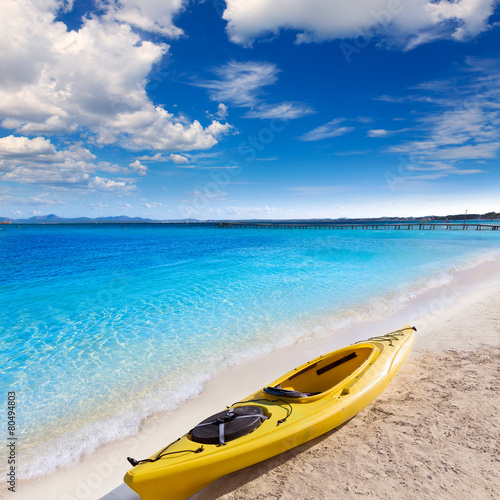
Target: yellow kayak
x=301 y=405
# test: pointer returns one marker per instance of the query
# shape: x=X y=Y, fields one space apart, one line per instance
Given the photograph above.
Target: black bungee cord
x=161 y=454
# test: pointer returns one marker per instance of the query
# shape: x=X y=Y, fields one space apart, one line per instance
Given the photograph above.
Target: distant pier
x=374 y=226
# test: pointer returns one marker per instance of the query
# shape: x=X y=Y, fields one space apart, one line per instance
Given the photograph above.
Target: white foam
x=68 y=449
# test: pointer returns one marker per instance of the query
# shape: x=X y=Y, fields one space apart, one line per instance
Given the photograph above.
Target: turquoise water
x=103 y=325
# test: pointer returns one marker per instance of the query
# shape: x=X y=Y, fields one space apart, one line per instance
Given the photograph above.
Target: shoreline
x=99 y=475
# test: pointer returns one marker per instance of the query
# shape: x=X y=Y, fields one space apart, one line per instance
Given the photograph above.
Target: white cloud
x=284 y=110
x=98 y=206
x=429 y=149
x=77 y=78
x=462 y=132
x=155 y=128
x=103 y=184
x=133 y=167
x=153 y=204
x=216 y=129
x=239 y=83
x=178 y=159
x=406 y=22
x=31 y=201
x=442 y=169
x=110 y=168
x=222 y=111
x=38 y=161
x=173 y=157
x=382 y=132
x=220 y=114
x=155 y=157
x=59 y=81
x=138 y=167
x=377 y=133
x=16 y=148
x=328 y=130
x=153 y=15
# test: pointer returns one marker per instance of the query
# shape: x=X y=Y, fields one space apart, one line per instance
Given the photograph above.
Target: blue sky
x=249 y=109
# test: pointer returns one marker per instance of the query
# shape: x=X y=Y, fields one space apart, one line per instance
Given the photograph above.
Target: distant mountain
x=121 y=218
x=118 y=219
x=43 y=218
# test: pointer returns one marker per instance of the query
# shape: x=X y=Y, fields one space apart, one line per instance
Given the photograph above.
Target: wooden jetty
x=373 y=226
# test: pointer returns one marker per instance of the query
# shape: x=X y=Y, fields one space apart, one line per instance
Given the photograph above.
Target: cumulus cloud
x=406 y=22
x=178 y=159
x=17 y=148
x=110 y=168
x=155 y=128
x=138 y=167
x=154 y=16
x=59 y=81
x=222 y=111
x=328 y=130
x=220 y=114
x=37 y=161
x=102 y=184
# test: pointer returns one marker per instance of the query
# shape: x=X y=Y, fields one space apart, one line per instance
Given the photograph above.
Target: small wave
x=68 y=450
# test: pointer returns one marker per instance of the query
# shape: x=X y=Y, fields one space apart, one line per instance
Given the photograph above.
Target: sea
x=103 y=325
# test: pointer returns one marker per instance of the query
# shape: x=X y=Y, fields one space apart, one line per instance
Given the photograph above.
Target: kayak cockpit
x=324 y=374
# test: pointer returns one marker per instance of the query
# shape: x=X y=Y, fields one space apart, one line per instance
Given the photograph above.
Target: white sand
x=431 y=434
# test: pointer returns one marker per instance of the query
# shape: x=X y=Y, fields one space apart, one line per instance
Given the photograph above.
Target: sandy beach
x=433 y=433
